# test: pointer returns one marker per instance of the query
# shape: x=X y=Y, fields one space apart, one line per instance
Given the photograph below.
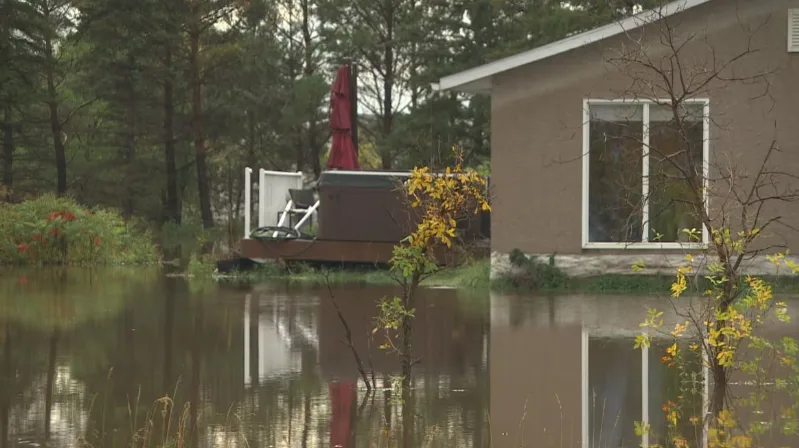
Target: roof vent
x=793 y=30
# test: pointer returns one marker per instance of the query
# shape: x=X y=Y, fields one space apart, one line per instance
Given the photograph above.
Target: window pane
x=673 y=153
x=615 y=179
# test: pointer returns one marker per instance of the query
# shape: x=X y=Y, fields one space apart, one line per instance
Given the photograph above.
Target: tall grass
x=164 y=425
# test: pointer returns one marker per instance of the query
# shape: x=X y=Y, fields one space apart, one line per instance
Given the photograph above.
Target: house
x=586 y=131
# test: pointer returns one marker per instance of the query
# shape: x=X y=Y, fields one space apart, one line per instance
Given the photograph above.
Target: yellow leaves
x=654 y=319
x=680 y=442
x=638 y=266
x=782 y=312
x=679 y=329
x=672 y=418
x=792 y=265
x=776 y=259
x=725 y=356
x=671 y=410
x=671 y=355
x=442 y=199
x=681 y=283
x=721 y=435
x=642 y=341
x=760 y=293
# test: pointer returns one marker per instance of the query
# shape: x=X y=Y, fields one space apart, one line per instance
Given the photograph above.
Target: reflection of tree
x=160 y=334
x=5 y=388
x=49 y=299
x=171 y=288
x=48 y=393
x=196 y=365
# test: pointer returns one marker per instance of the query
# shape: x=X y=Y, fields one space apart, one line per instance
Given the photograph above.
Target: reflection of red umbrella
x=342 y=397
x=342 y=153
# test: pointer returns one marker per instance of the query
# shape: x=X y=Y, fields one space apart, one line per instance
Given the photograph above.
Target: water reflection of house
x=447 y=339
x=292 y=348
x=277 y=334
x=564 y=372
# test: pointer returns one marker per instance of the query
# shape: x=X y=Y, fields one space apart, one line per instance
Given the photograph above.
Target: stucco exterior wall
x=537 y=118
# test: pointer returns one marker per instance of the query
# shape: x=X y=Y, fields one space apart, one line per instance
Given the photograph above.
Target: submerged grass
x=165 y=423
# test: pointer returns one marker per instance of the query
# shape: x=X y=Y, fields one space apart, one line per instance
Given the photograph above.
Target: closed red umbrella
x=342 y=153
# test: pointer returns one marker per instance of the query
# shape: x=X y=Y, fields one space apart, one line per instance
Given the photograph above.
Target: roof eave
x=482 y=85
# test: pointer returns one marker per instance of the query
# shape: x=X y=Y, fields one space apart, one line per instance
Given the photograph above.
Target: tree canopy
x=155 y=107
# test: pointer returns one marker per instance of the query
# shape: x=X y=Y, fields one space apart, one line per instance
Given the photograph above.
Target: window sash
x=644 y=243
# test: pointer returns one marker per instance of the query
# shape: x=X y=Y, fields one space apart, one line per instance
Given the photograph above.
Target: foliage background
x=155 y=107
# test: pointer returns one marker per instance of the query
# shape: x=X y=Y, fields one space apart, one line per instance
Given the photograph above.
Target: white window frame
x=644 y=244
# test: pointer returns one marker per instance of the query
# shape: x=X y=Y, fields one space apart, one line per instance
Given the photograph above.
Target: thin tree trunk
x=172 y=203
x=130 y=146
x=308 y=71
x=8 y=151
x=203 y=187
x=388 y=83
x=55 y=121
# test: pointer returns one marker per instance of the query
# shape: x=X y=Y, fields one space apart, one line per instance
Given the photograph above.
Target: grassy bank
x=475 y=275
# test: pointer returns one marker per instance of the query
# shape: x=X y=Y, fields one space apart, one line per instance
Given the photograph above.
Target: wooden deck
x=318 y=250
x=333 y=251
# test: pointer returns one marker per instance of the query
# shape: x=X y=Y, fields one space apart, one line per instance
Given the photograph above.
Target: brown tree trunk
x=172 y=203
x=55 y=121
x=8 y=127
x=388 y=83
x=308 y=71
x=130 y=146
x=8 y=151
x=203 y=187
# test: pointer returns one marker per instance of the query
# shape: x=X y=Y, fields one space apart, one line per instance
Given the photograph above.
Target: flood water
x=85 y=357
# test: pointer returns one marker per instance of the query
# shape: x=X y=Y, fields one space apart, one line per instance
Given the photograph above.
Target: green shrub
x=53 y=230
x=536 y=274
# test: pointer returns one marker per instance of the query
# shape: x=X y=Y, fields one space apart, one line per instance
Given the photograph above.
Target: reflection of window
x=640 y=170
x=669 y=384
x=614 y=385
x=623 y=385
